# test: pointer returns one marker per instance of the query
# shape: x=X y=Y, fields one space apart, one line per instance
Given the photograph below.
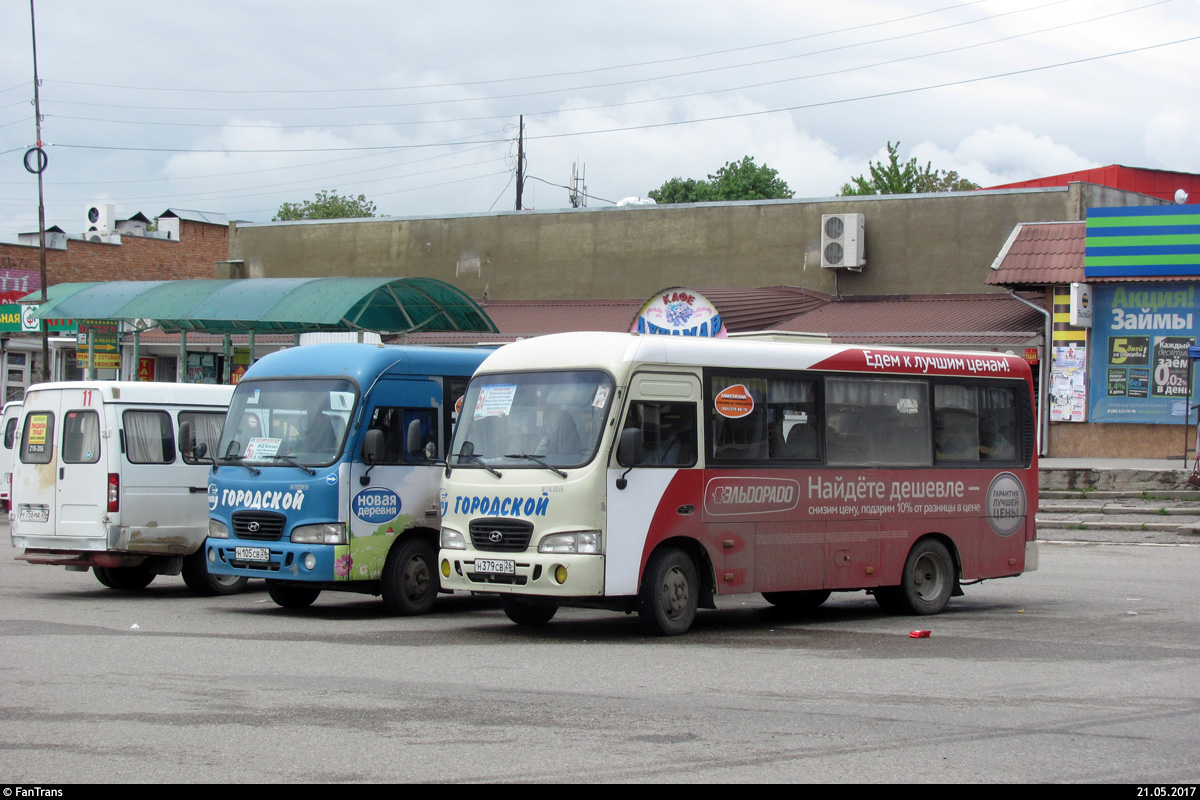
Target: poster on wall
x=1141 y=336
x=1068 y=384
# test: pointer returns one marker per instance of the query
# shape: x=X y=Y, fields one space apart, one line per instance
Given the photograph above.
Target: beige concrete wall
x=1118 y=440
x=916 y=244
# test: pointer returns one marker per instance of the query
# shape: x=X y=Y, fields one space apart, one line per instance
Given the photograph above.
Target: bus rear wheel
x=670 y=593
x=289 y=595
x=797 y=601
x=204 y=583
x=410 y=582
x=927 y=582
x=129 y=579
x=528 y=611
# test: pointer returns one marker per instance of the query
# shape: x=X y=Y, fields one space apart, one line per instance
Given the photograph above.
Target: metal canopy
x=383 y=305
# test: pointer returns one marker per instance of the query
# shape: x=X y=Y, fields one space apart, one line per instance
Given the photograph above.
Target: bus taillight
x=114 y=492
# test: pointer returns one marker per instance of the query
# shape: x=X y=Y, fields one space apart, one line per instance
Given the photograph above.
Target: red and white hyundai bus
x=651 y=473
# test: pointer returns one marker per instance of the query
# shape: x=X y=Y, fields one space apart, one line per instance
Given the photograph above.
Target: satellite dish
x=1181 y=196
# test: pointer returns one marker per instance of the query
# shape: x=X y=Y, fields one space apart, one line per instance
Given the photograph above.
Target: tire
x=927 y=582
x=129 y=579
x=102 y=575
x=528 y=611
x=797 y=601
x=289 y=595
x=410 y=581
x=670 y=593
x=204 y=583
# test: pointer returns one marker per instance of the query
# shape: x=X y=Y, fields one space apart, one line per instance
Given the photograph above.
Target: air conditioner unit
x=843 y=240
x=101 y=218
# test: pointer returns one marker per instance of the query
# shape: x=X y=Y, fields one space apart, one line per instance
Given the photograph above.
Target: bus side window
x=149 y=438
x=393 y=421
x=667 y=432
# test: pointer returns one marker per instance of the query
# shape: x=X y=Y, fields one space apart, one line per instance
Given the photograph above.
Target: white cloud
x=1003 y=154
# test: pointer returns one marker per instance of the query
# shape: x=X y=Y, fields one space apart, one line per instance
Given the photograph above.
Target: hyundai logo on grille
x=496 y=537
x=252 y=527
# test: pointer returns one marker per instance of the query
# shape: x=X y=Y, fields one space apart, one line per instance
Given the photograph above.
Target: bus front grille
x=262 y=526
x=501 y=535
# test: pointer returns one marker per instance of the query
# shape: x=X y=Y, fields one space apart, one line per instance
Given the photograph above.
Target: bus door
x=765 y=445
x=62 y=485
x=662 y=494
x=402 y=491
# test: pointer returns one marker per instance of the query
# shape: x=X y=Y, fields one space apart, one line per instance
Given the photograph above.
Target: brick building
x=179 y=244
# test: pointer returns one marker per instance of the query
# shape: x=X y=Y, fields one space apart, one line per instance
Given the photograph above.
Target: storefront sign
x=679 y=312
x=1142 y=332
x=99 y=342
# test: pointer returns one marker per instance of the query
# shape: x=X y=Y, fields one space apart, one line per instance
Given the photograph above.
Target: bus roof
x=185 y=394
x=365 y=362
x=618 y=353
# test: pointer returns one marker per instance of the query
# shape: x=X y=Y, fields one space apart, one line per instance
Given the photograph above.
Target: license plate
x=34 y=514
x=252 y=554
x=495 y=566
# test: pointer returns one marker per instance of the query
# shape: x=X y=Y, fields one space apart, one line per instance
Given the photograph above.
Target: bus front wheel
x=927 y=582
x=410 y=582
x=288 y=595
x=528 y=611
x=204 y=583
x=670 y=593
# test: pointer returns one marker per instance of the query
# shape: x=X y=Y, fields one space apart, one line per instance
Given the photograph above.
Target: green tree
x=907 y=178
x=737 y=180
x=326 y=205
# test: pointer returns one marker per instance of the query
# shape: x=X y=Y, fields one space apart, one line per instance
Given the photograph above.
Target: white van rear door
x=82 y=464
x=60 y=478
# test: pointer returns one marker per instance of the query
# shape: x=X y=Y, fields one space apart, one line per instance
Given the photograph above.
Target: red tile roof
x=1051 y=254
x=926 y=320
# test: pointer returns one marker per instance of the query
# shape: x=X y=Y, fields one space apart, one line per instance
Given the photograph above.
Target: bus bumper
x=282 y=560
x=543 y=574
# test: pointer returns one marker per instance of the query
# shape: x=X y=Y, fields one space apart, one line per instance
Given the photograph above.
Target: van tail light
x=114 y=492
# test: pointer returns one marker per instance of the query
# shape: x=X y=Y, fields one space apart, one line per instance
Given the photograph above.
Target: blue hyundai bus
x=326 y=474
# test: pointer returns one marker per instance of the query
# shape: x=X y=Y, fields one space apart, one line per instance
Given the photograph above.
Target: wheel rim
x=929 y=577
x=676 y=593
x=225 y=580
x=417 y=578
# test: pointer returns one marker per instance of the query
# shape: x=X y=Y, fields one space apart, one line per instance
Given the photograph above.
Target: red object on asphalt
x=919 y=634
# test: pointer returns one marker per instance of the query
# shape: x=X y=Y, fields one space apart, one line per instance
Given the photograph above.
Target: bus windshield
x=532 y=419
x=288 y=422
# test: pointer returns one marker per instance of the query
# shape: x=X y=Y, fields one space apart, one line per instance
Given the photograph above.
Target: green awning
x=382 y=305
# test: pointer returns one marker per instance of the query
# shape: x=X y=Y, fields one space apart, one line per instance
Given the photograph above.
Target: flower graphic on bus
x=342 y=566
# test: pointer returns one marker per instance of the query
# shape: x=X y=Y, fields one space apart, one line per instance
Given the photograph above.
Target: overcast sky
x=237 y=107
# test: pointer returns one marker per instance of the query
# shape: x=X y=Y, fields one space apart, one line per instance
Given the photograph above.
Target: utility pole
x=520 y=159
x=37 y=113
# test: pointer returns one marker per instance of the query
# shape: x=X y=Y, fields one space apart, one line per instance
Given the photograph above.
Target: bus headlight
x=451 y=539
x=574 y=542
x=325 y=533
x=217 y=530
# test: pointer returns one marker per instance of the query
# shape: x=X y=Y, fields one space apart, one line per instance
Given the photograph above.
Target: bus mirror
x=372 y=449
x=412 y=442
x=629 y=447
x=187 y=445
x=431 y=452
x=201 y=450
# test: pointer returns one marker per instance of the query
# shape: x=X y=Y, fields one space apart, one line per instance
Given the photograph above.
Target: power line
x=542 y=76
x=652 y=126
x=654 y=100
x=543 y=92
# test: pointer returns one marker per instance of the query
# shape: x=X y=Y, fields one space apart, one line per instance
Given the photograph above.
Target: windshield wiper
x=293 y=462
x=237 y=458
x=541 y=461
x=480 y=462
